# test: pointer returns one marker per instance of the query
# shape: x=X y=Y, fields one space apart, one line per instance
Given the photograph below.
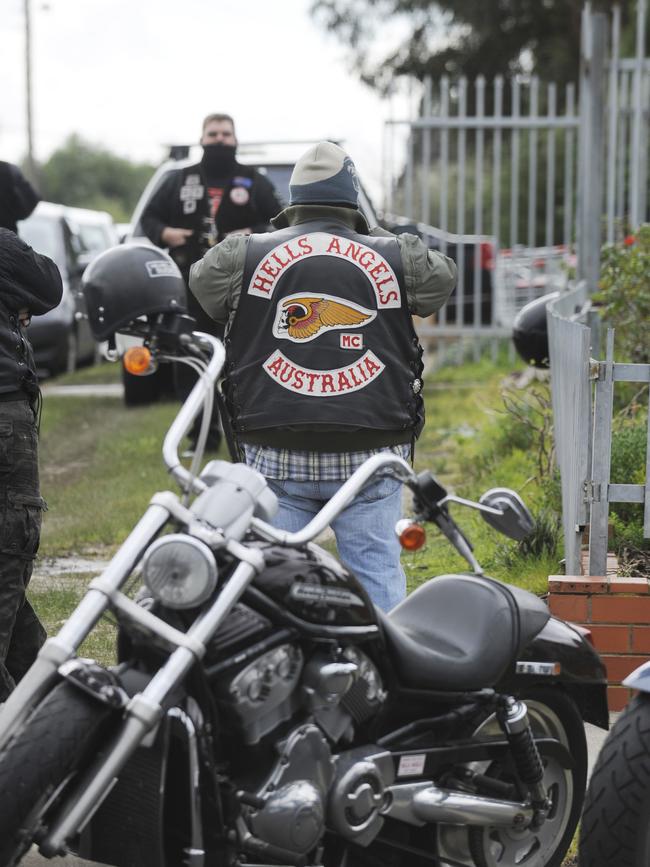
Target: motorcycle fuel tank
x=314 y=586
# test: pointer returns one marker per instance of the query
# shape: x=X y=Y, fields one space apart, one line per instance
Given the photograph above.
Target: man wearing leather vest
x=323 y=364
x=30 y=284
x=197 y=206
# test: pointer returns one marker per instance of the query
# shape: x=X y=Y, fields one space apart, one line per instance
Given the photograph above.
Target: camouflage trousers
x=21 y=507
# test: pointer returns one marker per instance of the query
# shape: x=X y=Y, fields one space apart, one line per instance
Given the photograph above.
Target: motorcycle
x=615 y=827
x=262 y=711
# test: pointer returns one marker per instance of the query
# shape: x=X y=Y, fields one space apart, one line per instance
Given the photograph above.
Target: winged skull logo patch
x=300 y=318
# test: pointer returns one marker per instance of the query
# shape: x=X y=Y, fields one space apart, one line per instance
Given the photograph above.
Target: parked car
x=72 y=237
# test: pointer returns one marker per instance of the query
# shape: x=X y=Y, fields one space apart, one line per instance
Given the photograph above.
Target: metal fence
x=613 y=185
x=599 y=490
x=529 y=169
x=570 y=351
x=583 y=400
x=506 y=178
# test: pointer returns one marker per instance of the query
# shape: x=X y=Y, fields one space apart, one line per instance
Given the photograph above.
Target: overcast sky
x=136 y=74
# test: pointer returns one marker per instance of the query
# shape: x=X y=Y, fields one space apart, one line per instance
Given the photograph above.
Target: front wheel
x=62 y=732
x=615 y=826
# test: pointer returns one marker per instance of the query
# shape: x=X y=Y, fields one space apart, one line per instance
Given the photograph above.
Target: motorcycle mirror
x=515 y=521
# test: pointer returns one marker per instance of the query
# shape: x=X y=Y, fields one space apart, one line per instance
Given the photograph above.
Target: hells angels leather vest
x=322 y=353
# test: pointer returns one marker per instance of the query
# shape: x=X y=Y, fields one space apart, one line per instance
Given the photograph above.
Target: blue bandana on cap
x=324 y=175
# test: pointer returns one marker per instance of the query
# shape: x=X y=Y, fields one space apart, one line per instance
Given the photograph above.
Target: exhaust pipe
x=423 y=803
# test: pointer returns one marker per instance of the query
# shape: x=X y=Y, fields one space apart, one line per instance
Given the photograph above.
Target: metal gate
x=518 y=168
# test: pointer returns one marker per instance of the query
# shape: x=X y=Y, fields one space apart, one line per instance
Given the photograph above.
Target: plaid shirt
x=302 y=466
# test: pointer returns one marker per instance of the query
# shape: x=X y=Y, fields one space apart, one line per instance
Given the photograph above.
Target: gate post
x=591 y=145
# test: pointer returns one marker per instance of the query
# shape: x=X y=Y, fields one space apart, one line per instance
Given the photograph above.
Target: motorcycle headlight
x=180 y=571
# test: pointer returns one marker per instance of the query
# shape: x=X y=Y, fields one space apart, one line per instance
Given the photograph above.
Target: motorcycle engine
x=264 y=693
x=294 y=796
x=308 y=787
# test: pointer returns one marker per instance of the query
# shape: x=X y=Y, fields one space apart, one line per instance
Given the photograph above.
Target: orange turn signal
x=138 y=361
x=411 y=536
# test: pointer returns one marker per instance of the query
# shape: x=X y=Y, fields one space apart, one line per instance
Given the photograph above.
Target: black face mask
x=218 y=159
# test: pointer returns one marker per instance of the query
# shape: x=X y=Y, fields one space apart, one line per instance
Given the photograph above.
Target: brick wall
x=617 y=611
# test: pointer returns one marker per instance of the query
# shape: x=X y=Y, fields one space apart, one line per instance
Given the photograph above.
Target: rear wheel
x=615 y=825
x=62 y=732
x=552 y=714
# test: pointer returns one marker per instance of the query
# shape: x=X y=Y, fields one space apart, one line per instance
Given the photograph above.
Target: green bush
x=624 y=295
x=542 y=541
x=629 y=443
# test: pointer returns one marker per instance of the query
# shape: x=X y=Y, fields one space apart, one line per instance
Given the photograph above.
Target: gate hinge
x=596 y=370
x=591 y=491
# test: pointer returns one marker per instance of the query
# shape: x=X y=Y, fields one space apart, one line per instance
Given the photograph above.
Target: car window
x=45 y=236
x=94 y=238
x=279 y=177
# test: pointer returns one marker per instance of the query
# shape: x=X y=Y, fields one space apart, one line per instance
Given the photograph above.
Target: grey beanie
x=324 y=175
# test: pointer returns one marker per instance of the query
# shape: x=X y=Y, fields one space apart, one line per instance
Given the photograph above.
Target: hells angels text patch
x=380 y=274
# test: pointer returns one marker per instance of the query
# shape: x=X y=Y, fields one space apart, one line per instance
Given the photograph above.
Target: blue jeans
x=365 y=531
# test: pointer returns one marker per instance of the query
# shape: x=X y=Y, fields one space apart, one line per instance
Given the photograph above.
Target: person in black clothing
x=30 y=284
x=17 y=197
x=196 y=207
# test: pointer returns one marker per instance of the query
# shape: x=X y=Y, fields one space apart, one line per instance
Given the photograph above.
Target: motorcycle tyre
x=60 y=733
x=615 y=826
x=568 y=715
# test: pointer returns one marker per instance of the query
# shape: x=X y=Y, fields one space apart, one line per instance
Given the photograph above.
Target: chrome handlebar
x=341 y=499
x=189 y=411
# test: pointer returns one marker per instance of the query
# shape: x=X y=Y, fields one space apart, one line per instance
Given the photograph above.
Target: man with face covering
x=197 y=206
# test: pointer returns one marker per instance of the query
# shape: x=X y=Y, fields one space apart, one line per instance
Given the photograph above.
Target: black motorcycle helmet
x=129 y=281
x=529 y=332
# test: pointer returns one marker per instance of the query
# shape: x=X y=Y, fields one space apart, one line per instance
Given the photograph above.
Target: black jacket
x=27 y=280
x=182 y=201
x=17 y=197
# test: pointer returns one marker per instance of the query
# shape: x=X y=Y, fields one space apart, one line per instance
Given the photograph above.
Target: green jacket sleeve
x=429 y=275
x=216 y=279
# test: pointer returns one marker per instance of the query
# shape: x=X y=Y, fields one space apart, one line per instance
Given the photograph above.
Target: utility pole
x=31 y=162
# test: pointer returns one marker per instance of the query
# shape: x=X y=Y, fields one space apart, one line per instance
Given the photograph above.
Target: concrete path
x=113 y=389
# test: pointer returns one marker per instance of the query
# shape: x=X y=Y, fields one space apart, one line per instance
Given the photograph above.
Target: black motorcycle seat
x=459 y=632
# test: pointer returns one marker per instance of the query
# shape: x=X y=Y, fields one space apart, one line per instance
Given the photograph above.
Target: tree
x=461 y=37
x=84 y=175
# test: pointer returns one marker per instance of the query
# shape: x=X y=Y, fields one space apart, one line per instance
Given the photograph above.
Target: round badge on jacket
x=239 y=196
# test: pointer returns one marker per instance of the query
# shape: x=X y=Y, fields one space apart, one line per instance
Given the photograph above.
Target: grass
x=54 y=600
x=463 y=445
x=96 y=374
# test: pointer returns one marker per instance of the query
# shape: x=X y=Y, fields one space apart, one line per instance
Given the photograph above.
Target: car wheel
x=71 y=352
x=140 y=390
